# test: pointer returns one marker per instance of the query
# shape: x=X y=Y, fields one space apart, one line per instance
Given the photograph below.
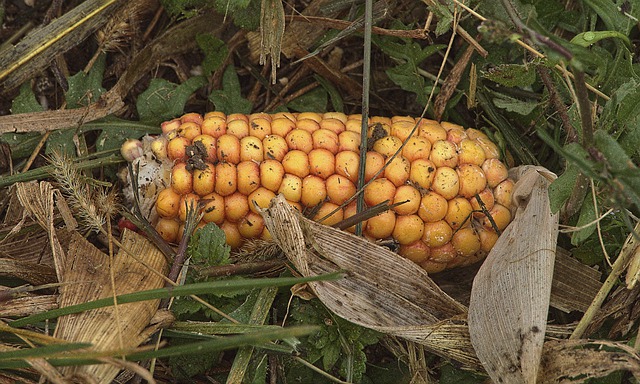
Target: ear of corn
x=447 y=177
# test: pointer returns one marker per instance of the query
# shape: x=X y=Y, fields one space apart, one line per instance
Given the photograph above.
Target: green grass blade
x=212 y=287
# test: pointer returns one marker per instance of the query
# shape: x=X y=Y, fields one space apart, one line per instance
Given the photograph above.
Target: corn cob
x=229 y=161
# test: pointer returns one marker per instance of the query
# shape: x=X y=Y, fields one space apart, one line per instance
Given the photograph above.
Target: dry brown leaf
x=87 y=278
x=511 y=292
x=38 y=201
x=381 y=290
x=576 y=361
x=28 y=305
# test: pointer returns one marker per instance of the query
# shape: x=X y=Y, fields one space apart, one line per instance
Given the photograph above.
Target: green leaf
x=208 y=247
x=26 y=101
x=613 y=19
x=451 y=375
x=334 y=94
x=314 y=100
x=587 y=215
x=512 y=75
x=511 y=104
x=561 y=188
x=21 y=144
x=115 y=131
x=406 y=76
x=215 y=51
x=164 y=100
x=588 y=38
x=229 y=99
x=616 y=157
x=62 y=141
x=210 y=287
x=86 y=88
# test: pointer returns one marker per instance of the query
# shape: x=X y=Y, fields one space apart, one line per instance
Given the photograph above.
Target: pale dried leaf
x=381 y=290
x=511 y=292
x=37 y=200
x=28 y=305
x=578 y=361
x=87 y=278
x=632 y=246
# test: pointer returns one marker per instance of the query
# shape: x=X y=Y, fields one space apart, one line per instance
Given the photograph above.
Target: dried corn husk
x=388 y=293
x=87 y=278
x=510 y=295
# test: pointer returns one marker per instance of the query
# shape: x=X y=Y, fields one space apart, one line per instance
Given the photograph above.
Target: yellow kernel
x=170 y=126
x=228 y=149
x=181 y=179
x=443 y=154
x=189 y=130
x=168 y=229
x=248 y=177
x=382 y=225
x=275 y=147
x=238 y=128
x=422 y=173
x=291 y=187
x=204 y=179
x=177 y=148
x=354 y=125
x=236 y=207
x=443 y=254
x=226 y=179
x=458 y=213
x=307 y=125
x=322 y=163
x=397 y=171
x=251 y=149
x=437 y=233
x=488 y=238
x=387 y=146
x=329 y=208
x=271 y=174
x=472 y=180
x=501 y=217
x=334 y=125
x=466 y=242
x=455 y=134
x=402 y=129
x=416 y=148
x=431 y=130
x=300 y=139
x=335 y=115
x=168 y=203
x=347 y=164
x=251 y=226
x=208 y=144
x=191 y=117
x=260 y=128
x=495 y=171
x=282 y=126
x=491 y=151
x=486 y=197
x=232 y=234
x=417 y=251
x=310 y=115
x=326 y=139
x=470 y=152
x=503 y=192
x=445 y=182
x=433 y=207
x=314 y=191
x=339 y=189
x=213 y=209
x=408 y=229
x=262 y=197
x=218 y=114
x=378 y=191
x=410 y=198
x=349 y=141
x=296 y=162
x=373 y=165
x=214 y=126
